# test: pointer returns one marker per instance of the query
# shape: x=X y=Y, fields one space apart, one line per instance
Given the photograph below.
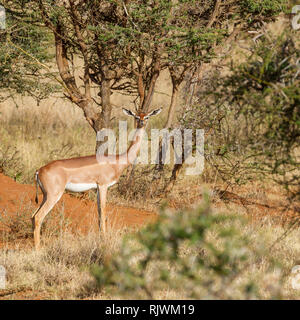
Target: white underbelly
x=111 y=184
x=80 y=187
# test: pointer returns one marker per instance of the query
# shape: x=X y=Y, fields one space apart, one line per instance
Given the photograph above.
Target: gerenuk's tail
x=37 y=187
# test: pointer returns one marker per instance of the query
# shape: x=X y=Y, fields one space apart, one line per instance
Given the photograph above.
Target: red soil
x=81 y=214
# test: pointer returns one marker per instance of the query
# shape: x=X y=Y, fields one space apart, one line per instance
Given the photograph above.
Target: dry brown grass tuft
x=61 y=268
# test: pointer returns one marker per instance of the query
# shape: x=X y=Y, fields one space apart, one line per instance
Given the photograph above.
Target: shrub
x=251 y=115
x=197 y=254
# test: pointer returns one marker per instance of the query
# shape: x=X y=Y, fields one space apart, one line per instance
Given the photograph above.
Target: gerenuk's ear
x=129 y=113
x=153 y=113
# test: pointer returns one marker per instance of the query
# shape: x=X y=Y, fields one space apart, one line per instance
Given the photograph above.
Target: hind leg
x=53 y=186
x=40 y=215
x=38 y=209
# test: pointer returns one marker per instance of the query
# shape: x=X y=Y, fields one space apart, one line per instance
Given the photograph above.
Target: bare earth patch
x=81 y=215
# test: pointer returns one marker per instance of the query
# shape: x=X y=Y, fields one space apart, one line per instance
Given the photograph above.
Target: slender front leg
x=99 y=207
x=103 y=193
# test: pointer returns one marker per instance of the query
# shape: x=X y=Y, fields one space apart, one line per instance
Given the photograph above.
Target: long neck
x=135 y=146
x=130 y=155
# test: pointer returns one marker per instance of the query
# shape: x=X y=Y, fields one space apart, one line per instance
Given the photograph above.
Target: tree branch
x=214 y=14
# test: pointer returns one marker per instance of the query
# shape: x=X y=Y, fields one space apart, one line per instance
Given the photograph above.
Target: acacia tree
x=124 y=45
x=145 y=38
x=24 y=47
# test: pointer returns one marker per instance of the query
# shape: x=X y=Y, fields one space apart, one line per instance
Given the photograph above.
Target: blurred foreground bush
x=194 y=254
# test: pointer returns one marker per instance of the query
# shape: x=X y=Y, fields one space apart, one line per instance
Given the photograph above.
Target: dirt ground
x=80 y=214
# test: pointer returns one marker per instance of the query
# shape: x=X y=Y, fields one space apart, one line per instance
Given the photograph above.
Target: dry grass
x=61 y=269
x=18 y=226
x=29 y=141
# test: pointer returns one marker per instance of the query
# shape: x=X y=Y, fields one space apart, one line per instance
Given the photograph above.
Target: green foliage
x=255 y=114
x=125 y=42
x=149 y=37
x=264 y=7
x=200 y=253
x=24 y=48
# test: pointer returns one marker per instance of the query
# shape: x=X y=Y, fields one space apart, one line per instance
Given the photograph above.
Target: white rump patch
x=80 y=187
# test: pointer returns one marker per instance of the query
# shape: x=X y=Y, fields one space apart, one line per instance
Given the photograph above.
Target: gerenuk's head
x=141 y=118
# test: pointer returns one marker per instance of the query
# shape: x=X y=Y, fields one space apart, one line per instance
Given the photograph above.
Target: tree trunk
x=104 y=117
x=172 y=107
x=147 y=98
x=157 y=175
